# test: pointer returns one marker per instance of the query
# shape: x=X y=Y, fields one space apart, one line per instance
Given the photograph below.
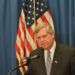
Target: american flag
x=29 y=18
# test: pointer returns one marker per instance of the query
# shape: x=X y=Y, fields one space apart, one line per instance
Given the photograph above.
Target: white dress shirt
x=52 y=50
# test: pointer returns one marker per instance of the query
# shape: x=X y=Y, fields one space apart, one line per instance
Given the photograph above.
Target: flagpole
x=34 y=13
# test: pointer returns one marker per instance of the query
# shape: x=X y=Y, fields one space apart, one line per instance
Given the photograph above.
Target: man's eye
x=38 y=37
x=44 y=35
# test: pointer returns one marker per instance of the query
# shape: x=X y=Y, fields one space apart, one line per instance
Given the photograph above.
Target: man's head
x=44 y=36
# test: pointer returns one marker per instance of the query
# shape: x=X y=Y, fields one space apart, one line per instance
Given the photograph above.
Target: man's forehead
x=42 y=32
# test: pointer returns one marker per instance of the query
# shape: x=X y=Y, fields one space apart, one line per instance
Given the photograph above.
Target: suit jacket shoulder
x=62 y=60
x=65 y=50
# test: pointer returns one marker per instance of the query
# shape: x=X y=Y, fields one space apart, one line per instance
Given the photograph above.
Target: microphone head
x=33 y=57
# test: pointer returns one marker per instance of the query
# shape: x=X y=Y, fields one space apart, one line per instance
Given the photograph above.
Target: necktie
x=48 y=63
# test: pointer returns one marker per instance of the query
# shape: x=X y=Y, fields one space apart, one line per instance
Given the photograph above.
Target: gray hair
x=48 y=28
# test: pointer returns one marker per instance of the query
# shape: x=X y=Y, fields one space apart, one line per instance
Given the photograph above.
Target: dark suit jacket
x=61 y=65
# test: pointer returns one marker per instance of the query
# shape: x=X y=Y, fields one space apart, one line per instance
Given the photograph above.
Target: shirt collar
x=52 y=50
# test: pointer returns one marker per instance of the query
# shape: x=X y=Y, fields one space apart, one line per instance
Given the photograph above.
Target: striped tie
x=48 y=63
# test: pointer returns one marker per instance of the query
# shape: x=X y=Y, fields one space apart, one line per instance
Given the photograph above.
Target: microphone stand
x=15 y=68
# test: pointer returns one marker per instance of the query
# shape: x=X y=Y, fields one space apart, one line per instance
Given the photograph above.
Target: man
x=53 y=59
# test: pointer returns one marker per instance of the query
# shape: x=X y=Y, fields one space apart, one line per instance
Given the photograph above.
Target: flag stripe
x=28 y=46
x=22 y=30
x=49 y=18
x=17 y=49
x=20 y=41
x=44 y=20
x=19 y=60
x=31 y=32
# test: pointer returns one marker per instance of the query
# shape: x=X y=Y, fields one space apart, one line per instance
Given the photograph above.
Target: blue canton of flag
x=40 y=7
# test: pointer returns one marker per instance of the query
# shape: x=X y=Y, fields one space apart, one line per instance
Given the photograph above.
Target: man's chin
x=45 y=47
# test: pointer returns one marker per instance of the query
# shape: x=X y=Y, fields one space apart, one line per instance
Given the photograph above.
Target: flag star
x=33 y=18
x=30 y=6
x=45 y=6
x=42 y=4
x=31 y=0
x=28 y=17
x=41 y=10
x=29 y=12
x=23 y=4
x=36 y=14
x=27 y=23
x=37 y=2
x=37 y=8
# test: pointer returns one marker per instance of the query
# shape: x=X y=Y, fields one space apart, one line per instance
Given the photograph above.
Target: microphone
x=32 y=57
x=28 y=60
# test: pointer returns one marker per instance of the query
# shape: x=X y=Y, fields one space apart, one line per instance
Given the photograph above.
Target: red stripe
x=21 y=40
x=28 y=46
x=31 y=32
x=23 y=25
x=19 y=33
x=17 y=48
x=44 y=20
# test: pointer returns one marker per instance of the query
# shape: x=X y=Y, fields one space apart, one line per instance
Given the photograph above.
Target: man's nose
x=41 y=39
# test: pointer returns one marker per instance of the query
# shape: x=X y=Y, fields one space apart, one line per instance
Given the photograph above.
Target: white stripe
x=49 y=18
x=22 y=32
x=18 y=42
